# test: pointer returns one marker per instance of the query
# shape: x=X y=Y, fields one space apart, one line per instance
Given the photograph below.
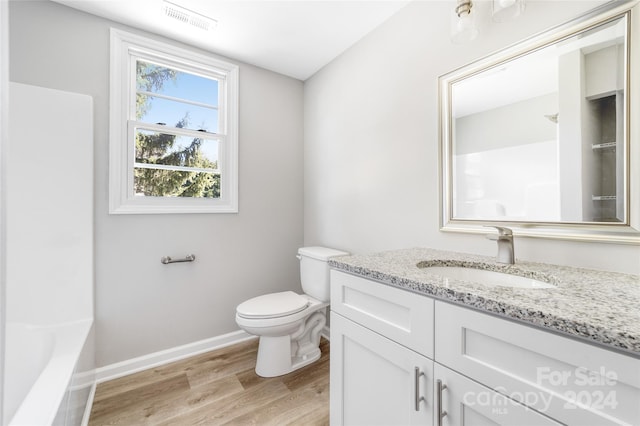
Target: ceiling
x=291 y=37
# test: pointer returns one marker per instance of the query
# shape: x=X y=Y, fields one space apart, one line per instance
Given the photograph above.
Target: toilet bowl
x=288 y=341
x=289 y=324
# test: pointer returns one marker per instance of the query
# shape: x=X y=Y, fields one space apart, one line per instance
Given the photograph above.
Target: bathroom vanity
x=410 y=346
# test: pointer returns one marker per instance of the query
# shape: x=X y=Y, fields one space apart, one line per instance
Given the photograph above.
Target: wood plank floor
x=216 y=388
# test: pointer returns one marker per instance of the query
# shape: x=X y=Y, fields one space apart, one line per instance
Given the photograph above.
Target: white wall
x=4 y=139
x=143 y=306
x=371 y=138
x=519 y=123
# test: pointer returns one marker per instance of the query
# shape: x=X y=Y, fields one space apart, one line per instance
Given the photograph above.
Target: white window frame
x=126 y=48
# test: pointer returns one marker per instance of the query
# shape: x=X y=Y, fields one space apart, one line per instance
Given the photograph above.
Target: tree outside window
x=156 y=152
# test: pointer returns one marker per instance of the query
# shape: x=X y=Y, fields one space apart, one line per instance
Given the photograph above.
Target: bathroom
x=351 y=156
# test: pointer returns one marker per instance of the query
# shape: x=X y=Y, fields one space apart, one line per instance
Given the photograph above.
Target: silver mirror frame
x=621 y=233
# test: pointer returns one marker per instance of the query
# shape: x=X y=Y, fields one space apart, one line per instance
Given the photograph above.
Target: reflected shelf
x=607 y=145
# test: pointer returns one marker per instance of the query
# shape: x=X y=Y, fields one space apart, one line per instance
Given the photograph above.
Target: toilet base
x=283 y=354
x=274 y=357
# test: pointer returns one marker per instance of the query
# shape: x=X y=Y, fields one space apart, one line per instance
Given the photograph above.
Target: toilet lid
x=272 y=305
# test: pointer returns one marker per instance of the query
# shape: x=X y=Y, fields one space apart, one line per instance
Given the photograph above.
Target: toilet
x=289 y=324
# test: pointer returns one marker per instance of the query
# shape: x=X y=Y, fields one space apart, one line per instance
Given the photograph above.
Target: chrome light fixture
x=504 y=10
x=463 y=23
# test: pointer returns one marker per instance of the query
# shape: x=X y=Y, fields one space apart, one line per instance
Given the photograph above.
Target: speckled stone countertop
x=601 y=307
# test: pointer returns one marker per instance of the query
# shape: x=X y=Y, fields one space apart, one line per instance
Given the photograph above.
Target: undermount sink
x=486 y=277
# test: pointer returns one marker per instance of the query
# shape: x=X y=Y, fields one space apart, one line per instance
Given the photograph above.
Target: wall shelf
x=607 y=145
x=603 y=197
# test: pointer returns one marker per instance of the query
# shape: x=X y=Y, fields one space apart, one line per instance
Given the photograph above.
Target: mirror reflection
x=541 y=137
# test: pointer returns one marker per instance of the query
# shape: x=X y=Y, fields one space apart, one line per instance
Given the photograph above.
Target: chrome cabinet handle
x=188 y=258
x=416 y=385
x=440 y=387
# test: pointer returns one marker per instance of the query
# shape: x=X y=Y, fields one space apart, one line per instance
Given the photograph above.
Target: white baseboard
x=155 y=359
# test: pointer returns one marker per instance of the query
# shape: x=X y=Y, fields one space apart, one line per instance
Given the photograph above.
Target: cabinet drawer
x=574 y=382
x=400 y=315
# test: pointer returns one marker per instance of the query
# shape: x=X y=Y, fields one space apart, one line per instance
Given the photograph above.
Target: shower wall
x=49 y=207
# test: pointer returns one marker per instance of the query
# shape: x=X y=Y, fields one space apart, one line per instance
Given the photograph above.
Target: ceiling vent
x=190 y=17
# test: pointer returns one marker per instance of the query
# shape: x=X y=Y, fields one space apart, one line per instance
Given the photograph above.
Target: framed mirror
x=540 y=138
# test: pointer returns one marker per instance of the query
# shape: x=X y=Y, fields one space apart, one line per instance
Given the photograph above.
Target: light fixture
x=189 y=17
x=463 y=22
x=504 y=10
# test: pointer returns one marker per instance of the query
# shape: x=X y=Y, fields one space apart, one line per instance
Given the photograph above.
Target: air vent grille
x=189 y=17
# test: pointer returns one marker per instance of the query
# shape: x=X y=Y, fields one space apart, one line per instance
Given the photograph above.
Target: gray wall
x=143 y=306
x=371 y=138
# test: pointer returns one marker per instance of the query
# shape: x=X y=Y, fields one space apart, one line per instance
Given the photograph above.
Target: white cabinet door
x=375 y=381
x=468 y=403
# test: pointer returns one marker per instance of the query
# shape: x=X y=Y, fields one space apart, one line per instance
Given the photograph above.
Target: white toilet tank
x=314 y=270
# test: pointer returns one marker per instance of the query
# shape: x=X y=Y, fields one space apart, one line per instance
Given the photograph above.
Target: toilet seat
x=273 y=305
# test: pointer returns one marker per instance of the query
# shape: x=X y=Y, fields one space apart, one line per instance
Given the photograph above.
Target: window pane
x=176 y=114
x=171 y=150
x=178 y=84
x=171 y=183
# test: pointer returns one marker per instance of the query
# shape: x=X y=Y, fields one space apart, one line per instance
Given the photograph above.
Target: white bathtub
x=47 y=374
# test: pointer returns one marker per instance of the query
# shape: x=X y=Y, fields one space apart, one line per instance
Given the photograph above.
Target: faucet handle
x=503 y=232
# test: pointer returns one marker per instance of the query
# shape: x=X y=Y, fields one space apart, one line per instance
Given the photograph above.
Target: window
x=173 y=132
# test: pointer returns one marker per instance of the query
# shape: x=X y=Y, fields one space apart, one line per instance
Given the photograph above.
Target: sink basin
x=483 y=276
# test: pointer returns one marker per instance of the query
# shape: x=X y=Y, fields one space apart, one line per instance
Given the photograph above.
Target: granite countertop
x=601 y=307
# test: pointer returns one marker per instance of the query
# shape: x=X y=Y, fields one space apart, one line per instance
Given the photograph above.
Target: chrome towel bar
x=189 y=258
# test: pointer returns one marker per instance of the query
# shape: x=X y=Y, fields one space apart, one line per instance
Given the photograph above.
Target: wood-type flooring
x=216 y=388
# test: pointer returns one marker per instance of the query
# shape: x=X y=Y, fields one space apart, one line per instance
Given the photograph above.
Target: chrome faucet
x=505 y=244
